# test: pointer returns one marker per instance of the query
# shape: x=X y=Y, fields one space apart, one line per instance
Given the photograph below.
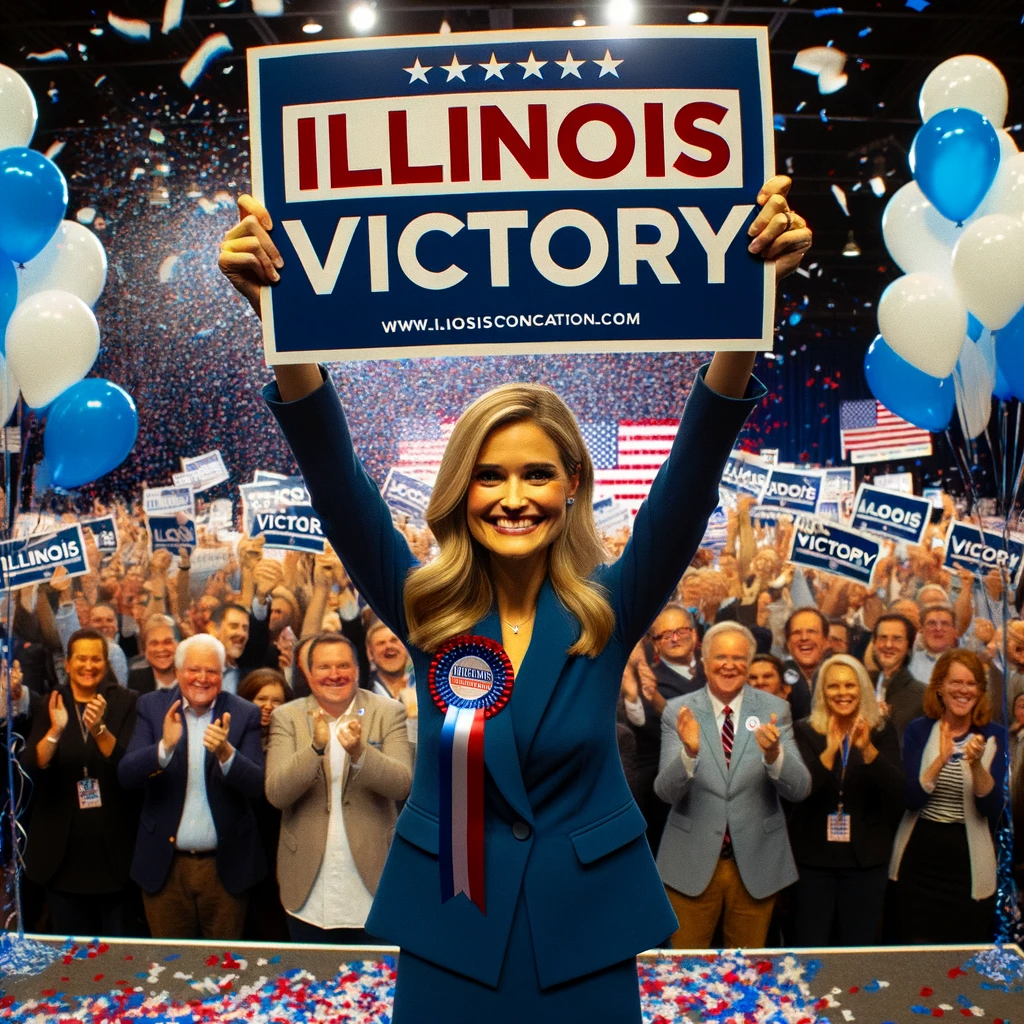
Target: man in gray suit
x=727 y=756
x=338 y=762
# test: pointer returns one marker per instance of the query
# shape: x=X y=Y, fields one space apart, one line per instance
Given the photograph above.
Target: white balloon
x=9 y=389
x=923 y=320
x=988 y=268
x=974 y=383
x=1007 y=147
x=1006 y=193
x=18 y=111
x=73 y=261
x=917 y=236
x=52 y=341
x=965 y=81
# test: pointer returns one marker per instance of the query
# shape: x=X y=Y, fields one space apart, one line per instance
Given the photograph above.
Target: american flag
x=871 y=433
x=421 y=444
x=627 y=456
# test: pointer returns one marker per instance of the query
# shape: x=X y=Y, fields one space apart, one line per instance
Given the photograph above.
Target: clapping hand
x=321 y=729
x=767 y=737
x=689 y=731
x=350 y=735
x=945 y=741
x=215 y=739
x=975 y=748
x=173 y=727
x=58 y=713
x=95 y=711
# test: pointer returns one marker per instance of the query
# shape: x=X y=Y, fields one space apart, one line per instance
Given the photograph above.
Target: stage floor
x=126 y=980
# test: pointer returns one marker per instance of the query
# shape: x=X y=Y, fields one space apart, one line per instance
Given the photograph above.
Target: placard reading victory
x=516 y=191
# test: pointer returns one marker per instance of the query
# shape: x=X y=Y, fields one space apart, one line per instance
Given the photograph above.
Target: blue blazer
x=562 y=831
x=240 y=860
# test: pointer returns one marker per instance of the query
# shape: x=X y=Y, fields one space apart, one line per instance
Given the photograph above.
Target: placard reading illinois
x=516 y=191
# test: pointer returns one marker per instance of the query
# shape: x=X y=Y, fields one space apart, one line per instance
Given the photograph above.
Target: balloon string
x=1004 y=437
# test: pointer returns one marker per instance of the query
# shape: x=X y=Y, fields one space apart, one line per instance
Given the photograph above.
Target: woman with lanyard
x=842 y=833
x=523 y=891
x=944 y=858
x=82 y=833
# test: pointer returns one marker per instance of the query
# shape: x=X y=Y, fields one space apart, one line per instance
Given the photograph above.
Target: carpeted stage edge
x=96 y=980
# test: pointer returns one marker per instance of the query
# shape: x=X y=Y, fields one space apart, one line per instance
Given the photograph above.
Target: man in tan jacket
x=338 y=761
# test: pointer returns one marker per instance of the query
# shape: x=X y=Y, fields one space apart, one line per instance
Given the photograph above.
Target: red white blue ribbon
x=470 y=680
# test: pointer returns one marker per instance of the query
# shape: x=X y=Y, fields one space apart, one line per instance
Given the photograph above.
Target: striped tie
x=727 y=735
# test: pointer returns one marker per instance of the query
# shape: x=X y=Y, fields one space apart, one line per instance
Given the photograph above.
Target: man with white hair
x=727 y=756
x=197 y=753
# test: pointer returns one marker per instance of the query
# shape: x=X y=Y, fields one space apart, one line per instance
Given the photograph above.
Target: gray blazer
x=742 y=796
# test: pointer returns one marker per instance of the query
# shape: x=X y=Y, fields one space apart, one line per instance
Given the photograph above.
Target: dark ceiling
x=845 y=139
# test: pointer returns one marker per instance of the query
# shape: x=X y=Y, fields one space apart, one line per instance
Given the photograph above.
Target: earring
x=569 y=502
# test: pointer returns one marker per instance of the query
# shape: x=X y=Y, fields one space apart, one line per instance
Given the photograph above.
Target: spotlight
x=579 y=21
x=621 y=12
x=312 y=27
x=362 y=17
x=851 y=250
x=697 y=17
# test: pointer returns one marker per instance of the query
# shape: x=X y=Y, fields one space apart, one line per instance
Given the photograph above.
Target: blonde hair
x=868 y=708
x=452 y=593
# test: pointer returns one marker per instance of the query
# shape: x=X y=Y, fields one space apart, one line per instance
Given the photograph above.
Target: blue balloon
x=8 y=297
x=1002 y=390
x=974 y=327
x=956 y=156
x=1010 y=354
x=35 y=197
x=918 y=397
x=90 y=430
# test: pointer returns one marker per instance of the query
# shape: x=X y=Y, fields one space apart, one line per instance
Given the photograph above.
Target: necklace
x=515 y=626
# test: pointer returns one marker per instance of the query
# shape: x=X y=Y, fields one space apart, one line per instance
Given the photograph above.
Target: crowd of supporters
x=857 y=801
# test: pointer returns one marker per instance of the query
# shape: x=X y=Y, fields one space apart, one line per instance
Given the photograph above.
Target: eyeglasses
x=673 y=634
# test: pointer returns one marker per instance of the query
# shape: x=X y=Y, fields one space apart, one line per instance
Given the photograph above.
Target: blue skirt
x=428 y=994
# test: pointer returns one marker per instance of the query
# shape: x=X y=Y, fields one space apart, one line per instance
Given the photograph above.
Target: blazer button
x=521 y=831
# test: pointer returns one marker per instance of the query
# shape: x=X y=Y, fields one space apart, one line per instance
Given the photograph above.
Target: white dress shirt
x=774 y=769
x=339 y=898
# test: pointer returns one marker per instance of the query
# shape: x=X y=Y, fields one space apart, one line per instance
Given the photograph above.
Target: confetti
x=780 y=122
x=48 y=56
x=157 y=136
x=864 y=32
x=173 y=10
x=824 y=12
x=268 y=8
x=130 y=28
x=841 y=199
x=827 y=63
x=209 y=50
x=99 y=81
x=917 y=5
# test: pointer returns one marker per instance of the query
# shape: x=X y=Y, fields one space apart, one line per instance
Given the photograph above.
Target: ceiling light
x=312 y=27
x=697 y=17
x=579 y=21
x=362 y=17
x=851 y=249
x=621 y=12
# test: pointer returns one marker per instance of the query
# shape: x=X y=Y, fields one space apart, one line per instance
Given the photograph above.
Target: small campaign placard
x=514 y=191
x=32 y=559
x=279 y=511
x=165 y=501
x=407 y=495
x=892 y=513
x=745 y=474
x=104 y=532
x=823 y=545
x=796 y=490
x=201 y=472
x=169 y=533
x=968 y=547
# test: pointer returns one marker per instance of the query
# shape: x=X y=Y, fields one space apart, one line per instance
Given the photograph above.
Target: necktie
x=727 y=737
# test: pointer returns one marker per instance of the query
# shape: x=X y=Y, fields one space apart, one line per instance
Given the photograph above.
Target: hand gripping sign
x=516 y=191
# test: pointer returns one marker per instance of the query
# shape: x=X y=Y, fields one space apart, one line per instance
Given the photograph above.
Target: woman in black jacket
x=842 y=834
x=82 y=833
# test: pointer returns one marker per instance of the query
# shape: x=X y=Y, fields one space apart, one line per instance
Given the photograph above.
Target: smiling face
x=673 y=636
x=280 y=614
x=233 y=632
x=939 y=631
x=271 y=696
x=842 y=691
x=160 y=647
x=333 y=676
x=200 y=677
x=515 y=505
x=726 y=664
x=386 y=651
x=763 y=675
x=806 y=641
x=891 y=645
x=959 y=691
x=87 y=664
x=103 y=619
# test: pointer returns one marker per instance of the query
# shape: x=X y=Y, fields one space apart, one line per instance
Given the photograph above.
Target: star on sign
x=455 y=69
x=607 y=65
x=531 y=66
x=570 y=66
x=494 y=68
x=418 y=73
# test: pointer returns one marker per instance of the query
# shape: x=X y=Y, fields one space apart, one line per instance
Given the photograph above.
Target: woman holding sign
x=519 y=885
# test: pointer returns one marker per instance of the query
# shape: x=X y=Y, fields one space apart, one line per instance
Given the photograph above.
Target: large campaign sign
x=279 y=511
x=897 y=515
x=968 y=547
x=170 y=533
x=514 y=191
x=796 y=490
x=27 y=560
x=745 y=474
x=820 y=544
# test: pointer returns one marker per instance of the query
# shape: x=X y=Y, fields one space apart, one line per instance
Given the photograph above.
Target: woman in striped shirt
x=944 y=857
